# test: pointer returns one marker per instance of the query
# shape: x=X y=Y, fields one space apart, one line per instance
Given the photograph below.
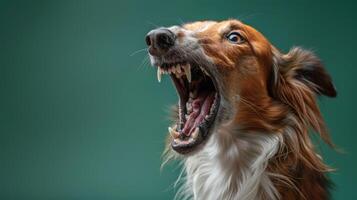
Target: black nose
x=160 y=41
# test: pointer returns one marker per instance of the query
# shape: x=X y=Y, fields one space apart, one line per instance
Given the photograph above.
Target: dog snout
x=160 y=41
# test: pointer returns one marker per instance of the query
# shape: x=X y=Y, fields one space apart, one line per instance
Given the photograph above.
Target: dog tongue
x=200 y=108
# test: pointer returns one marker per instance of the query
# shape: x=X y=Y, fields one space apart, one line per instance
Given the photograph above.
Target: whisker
x=138 y=51
x=153 y=24
x=181 y=21
x=145 y=61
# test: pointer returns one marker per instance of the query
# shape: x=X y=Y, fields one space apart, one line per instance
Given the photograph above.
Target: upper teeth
x=177 y=70
x=159 y=72
x=187 y=69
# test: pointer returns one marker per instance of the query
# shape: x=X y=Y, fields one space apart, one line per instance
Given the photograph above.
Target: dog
x=241 y=126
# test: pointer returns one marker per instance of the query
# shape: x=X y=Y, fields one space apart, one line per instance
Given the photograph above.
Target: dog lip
x=189 y=145
x=171 y=57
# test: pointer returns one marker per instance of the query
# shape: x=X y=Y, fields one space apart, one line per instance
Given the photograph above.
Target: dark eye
x=235 y=38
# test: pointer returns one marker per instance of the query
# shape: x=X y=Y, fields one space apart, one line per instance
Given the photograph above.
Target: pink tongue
x=201 y=107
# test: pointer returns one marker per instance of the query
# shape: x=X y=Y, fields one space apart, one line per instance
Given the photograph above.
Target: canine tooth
x=187 y=69
x=174 y=133
x=159 y=72
x=195 y=133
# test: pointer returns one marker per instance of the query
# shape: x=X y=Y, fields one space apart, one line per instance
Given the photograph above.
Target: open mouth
x=197 y=107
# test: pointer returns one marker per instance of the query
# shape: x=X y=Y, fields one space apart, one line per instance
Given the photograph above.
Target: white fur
x=231 y=167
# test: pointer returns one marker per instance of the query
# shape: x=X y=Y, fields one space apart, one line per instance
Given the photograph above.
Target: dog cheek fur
x=265 y=152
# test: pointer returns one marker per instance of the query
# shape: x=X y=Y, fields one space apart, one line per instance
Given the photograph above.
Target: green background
x=83 y=117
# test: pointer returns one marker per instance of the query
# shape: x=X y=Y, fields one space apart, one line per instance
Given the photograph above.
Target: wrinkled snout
x=160 y=41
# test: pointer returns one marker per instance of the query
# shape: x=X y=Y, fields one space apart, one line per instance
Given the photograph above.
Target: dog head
x=228 y=72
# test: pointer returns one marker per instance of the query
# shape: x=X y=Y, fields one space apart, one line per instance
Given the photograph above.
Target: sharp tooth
x=187 y=69
x=188 y=105
x=174 y=133
x=178 y=69
x=189 y=109
x=173 y=69
x=193 y=94
x=207 y=117
x=159 y=72
x=212 y=109
x=194 y=135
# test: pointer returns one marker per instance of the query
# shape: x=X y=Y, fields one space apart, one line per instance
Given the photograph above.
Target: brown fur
x=276 y=91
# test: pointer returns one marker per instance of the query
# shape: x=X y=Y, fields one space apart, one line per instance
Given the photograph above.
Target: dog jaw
x=268 y=101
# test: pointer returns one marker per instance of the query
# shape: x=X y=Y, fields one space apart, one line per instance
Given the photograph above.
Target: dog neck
x=251 y=166
x=232 y=166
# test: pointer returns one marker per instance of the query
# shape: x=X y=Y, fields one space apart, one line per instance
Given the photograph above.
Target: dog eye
x=235 y=38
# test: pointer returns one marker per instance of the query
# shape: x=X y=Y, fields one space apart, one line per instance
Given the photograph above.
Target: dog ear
x=303 y=67
x=298 y=77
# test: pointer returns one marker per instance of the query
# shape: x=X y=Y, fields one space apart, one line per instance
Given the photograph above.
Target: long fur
x=235 y=165
x=265 y=150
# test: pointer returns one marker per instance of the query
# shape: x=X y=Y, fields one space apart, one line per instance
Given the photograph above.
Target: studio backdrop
x=83 y=117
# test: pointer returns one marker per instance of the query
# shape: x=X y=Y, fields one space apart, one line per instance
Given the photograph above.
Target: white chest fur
x=231 y=167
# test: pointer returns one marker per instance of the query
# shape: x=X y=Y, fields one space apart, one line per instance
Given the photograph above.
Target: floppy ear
x=298 y=77
x=303 y=66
